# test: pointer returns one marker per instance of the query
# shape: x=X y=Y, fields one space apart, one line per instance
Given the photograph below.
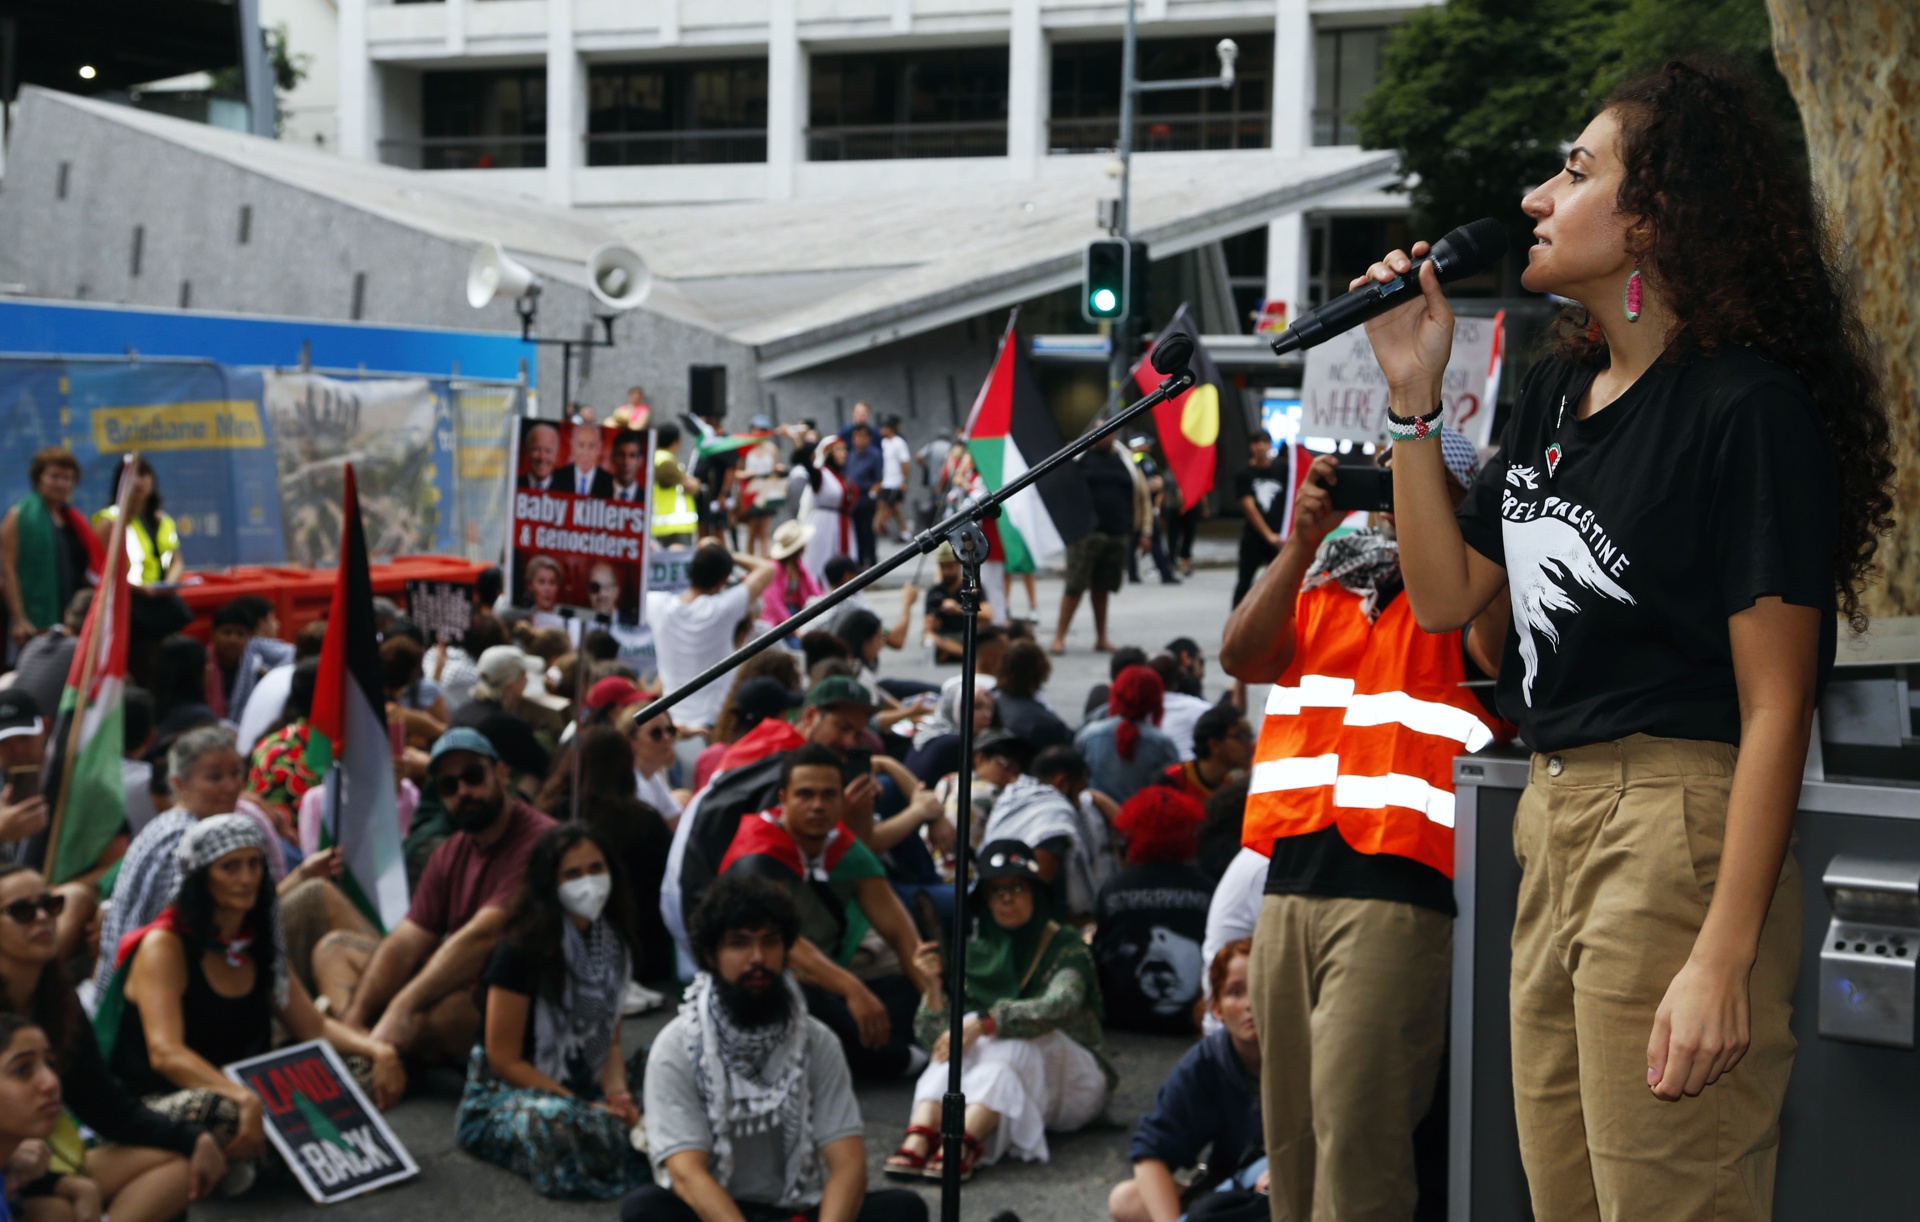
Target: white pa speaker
x=618 y=276
x=493 y=273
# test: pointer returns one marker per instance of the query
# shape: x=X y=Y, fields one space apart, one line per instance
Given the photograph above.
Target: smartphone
x=856 y=763
x=23 y=782
x=1369 y=489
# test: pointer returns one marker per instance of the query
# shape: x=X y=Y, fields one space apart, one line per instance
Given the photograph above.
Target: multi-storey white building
x=614 y=103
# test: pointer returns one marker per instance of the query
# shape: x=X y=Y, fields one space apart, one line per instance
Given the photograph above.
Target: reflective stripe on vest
x=1361 y=732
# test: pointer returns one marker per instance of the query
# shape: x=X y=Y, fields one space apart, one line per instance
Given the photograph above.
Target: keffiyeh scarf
x=1365 y=562
x=755 y=1081
x=573 y=1033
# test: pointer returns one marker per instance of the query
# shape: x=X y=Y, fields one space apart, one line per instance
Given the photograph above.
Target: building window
x=1346 y=65
x=1086 y=97
x=677 y=113
x=935 y=103
x=483 y=120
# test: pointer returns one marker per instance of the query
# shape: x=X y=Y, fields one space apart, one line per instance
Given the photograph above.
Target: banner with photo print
x=578 y=511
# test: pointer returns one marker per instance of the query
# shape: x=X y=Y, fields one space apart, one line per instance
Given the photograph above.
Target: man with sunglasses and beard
x=414 y=988
x=750 y=1109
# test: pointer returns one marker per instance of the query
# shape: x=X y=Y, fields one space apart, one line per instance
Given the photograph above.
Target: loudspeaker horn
x=493 y=273
x=618 y=276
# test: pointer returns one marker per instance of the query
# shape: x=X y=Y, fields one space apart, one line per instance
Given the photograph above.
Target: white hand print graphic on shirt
x=1547 y=561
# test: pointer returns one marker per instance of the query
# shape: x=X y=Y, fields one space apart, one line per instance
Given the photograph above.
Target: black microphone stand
x=962 y=529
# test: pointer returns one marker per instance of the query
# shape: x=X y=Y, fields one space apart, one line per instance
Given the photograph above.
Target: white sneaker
x=917 y=1061
x=240 y=1177
x=638 y=999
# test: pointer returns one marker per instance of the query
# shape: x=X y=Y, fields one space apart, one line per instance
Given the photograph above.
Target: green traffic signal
x=1106 y=280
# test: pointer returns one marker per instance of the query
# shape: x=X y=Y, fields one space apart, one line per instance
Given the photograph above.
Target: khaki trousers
x=1350 y=997
x=1619 y=846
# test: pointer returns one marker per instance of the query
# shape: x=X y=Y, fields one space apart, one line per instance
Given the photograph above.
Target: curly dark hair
x=745 y=903
x=1710 y=171
x=534 y=917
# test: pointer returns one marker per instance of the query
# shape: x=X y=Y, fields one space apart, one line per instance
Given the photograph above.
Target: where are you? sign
x=329 y=1133
x=1344 y=394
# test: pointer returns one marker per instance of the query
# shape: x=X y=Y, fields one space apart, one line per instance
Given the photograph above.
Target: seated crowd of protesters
x=781 y=848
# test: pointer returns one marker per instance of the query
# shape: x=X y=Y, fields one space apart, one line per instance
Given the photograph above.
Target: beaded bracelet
x=1414 y=428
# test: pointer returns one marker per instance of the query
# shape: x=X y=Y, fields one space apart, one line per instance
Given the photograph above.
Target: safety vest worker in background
x=153 y=542
x=676 y=507
x=1351 y=798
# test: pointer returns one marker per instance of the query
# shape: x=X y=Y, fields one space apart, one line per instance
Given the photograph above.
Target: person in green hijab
x=1030 y=1051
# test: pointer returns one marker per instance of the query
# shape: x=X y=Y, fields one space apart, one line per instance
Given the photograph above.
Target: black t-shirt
x=1323 y=863
x=951 y=623
x=1630 y=537
x=1268 y=487
x=508 y=969
x=1151 y=922
x=1110 y=488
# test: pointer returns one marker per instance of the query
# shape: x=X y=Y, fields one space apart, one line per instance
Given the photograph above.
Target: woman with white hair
x=207 y=775
x=200 y=986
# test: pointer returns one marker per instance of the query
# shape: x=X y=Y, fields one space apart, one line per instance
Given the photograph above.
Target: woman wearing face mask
x=549 y=1095
x=200 y=987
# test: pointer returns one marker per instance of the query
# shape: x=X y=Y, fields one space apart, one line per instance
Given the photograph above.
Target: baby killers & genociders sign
x=1344 y=394
x=326 y=1130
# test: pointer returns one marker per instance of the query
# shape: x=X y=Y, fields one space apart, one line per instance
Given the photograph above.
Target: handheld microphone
x=1469 y=249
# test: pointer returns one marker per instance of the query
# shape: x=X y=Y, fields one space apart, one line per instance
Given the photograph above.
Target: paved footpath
x=1072 y=1187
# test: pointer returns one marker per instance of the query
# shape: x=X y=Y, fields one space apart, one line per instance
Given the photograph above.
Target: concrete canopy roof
x=805 y=281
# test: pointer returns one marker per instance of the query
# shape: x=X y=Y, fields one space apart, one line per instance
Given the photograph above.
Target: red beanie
x=1160 y=824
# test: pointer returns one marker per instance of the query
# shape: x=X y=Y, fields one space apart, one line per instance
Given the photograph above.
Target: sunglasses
x=599 y=587
x=472 y=776
x=21 y=912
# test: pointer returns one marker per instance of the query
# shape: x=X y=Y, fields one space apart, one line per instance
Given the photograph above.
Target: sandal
x=914 y=1165
x=972 y=1150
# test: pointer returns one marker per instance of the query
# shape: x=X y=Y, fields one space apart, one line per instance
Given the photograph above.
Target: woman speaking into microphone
x=1688 y=495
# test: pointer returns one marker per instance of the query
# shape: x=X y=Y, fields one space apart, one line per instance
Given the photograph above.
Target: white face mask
x=585 y=896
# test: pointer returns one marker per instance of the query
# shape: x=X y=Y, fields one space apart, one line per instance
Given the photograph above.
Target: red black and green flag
x=1189 y=425
x=349 y=743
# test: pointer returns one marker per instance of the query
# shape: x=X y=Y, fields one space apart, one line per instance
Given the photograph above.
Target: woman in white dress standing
x=831 y=514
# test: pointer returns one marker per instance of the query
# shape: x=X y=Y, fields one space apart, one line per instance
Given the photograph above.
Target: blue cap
x=461 y=738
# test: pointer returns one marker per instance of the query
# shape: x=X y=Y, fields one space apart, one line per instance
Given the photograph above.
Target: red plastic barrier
x=301 y=596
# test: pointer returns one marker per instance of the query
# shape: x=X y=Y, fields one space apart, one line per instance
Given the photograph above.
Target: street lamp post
x=1130 y=85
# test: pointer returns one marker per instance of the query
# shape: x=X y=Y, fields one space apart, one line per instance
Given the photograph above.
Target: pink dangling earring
x=1630 y=299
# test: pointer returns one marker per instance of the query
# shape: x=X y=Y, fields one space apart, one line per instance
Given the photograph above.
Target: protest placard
x=577 y=531
x=443 y=610
x=332 y=1137
x=1343 y=393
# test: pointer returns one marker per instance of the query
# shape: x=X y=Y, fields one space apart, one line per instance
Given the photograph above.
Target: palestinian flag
x=1189 y=425
x=1009 y=428
x=727 y=443
x=348 y=742
x=83 y=791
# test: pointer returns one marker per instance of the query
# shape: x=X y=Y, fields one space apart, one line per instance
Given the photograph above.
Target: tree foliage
x=1479 y=95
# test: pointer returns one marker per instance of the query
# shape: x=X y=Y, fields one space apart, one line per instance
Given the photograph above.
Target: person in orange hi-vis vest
x=1352 y=798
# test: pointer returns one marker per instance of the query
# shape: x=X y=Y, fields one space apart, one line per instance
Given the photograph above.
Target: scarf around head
x=754 y=1081
x=1365 y=562
x=572 y=1033
x=999 y=959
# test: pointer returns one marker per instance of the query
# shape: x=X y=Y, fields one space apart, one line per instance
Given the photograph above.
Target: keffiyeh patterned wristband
x=1414 y=428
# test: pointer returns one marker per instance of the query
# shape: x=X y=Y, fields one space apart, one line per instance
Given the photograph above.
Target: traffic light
x=1107 y=284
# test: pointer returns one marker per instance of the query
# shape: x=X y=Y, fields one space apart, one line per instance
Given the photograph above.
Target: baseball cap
x=500 y=665
x=838 y=689
x=944 y=554
x=765 y=696
x=19 y=713
x=998 y=741
x=616 y=691
x=461 y=738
